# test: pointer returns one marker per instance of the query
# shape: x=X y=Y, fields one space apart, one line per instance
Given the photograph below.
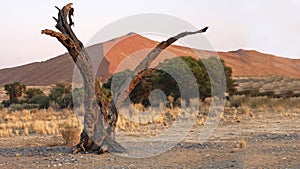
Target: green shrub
x=32 y=92
x=289 y=94
x=235 y=102
x=18 y=107
x=78 y=97
x=255 y=93
x=1 y=106
x=296 y=95
x=42 y=100
x=54 y=105
x=269 y=94
x=5 y=103
x=61 y=94
x=161 y=78
x=14 y=91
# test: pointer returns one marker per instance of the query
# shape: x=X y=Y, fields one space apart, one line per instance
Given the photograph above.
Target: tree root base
x=87 y=145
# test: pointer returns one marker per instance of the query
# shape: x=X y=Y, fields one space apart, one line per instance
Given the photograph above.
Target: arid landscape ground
x=262 y=133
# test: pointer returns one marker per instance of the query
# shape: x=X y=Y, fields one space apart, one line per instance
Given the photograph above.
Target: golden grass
x=45 y=127
x=70 y=130
x=44 y=122
x=26 y=131
x=67 y=125
x=259 y=107
x=243 y=144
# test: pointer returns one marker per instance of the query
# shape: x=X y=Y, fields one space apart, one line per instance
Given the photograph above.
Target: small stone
x=59 y=164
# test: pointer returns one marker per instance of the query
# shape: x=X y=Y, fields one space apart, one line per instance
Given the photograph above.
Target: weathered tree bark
x=99 y=123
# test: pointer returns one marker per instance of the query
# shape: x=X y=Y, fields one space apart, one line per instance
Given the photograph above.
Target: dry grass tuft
x=136 y=119
x=70 y=130
x=45 y=122
x=243 y=144
x=6 y=133
x=2 y=126
x=45 y=127
x=71 y=135
x=288 y=113
x=26 y=131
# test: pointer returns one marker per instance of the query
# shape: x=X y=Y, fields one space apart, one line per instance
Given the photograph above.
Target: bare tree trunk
x=99 y=125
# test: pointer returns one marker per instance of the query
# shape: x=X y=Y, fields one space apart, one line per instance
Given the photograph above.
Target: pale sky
x=269 y=26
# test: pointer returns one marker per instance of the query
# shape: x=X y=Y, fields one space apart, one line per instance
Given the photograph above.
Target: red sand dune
x=127 y=51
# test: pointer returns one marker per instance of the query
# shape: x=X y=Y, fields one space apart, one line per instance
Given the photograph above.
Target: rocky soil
x=269 y=142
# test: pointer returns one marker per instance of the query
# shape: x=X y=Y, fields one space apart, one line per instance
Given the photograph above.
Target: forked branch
x=143 y=68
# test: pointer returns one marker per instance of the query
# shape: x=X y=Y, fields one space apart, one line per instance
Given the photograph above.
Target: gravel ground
x=272 y=142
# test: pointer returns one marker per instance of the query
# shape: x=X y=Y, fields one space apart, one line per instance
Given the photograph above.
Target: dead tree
x=99 y=123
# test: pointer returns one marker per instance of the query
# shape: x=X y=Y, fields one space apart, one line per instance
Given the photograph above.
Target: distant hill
x=127 y=51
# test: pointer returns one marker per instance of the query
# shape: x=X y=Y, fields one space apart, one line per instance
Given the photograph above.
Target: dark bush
x=42 y=100
x=289 y=94
x=5 y=103
x=14 y=91
x=32 y=92
x=235 y=102
x=61 y=94
x=18 y=107
x=269 y=94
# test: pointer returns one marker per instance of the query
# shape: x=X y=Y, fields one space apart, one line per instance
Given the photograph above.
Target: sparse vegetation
x=14 y=91
x=61 y=94
x=24 y=118
x=18 y=107
x=162 y=79
x=243 y=144
x=64 y=122
x=41 y=100
x=272 y=87
x=32 y=92
x=33 y=98
x=44 y=122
